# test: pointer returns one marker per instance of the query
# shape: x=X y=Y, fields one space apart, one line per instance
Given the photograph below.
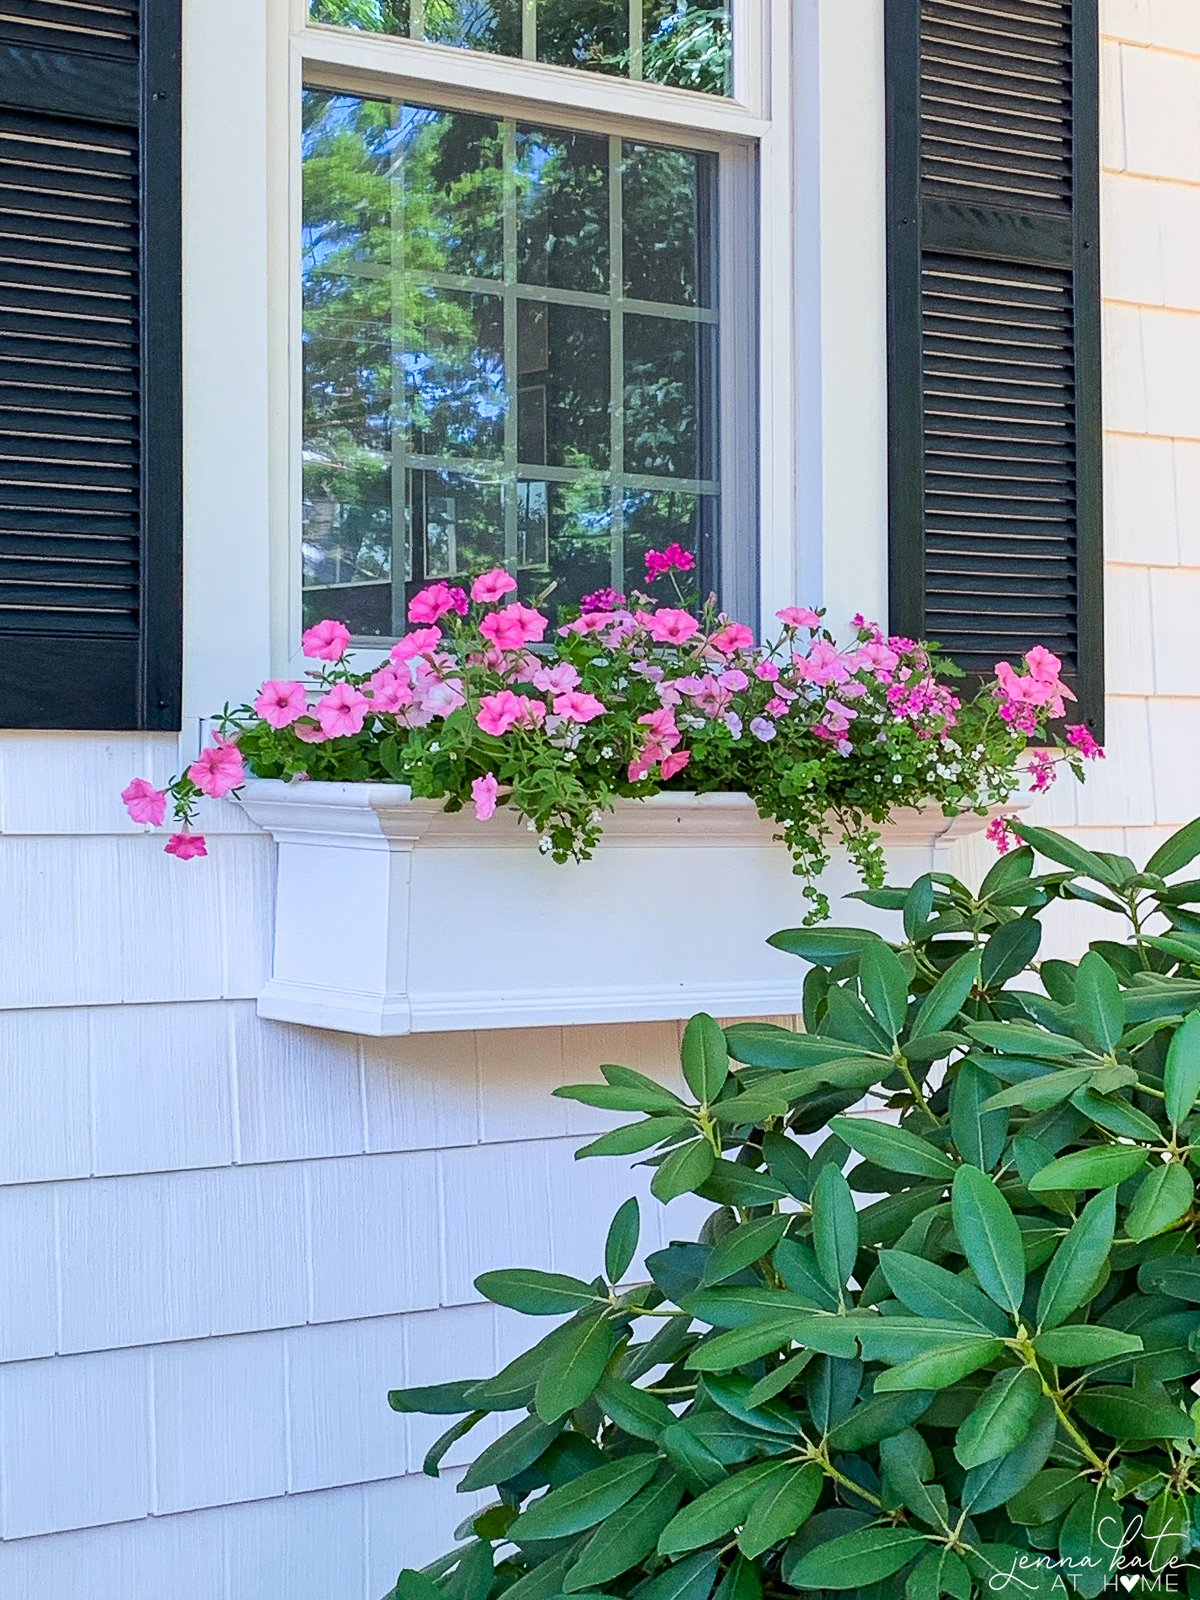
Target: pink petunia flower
x=417 y=643
x=674 y=763
x=186 y=846
x=776 y=706
x=575 y=706
x=432 y=603
x=514 y=627
x=1043 y=664
x=767 y=671
x=218 y=771
x=484 y=791
x=309 y=732
x=326 y=641
x=391 y=691
x=145 y=803
x=279 y=704
x=673 y=627
x=555 y=680
x=342 y=711
x=732 y=637
x=799 y=617
x=498 y=713
x=492 y=586
x=824 y=664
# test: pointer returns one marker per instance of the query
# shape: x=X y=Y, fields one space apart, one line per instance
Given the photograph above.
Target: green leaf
x=786 y=1499
x=1050 y=1494
x=1102 y=1167
x=780 y=1378
x=990 y=1239
x=511 y=1453
x=1085 y=1346
x=877 y=1418
x=828 y=1334
x=632 y=1409
x=895 y=1339
x=690 y=1579
x=1020 y=1039
x=622 y=1242
x=1164 y=1195
x=627 y=1536
x=918 y=907
x=939 y=1573
x=712 y=1514
x=884 y=983
x=1132 y=1414
x=1178 y=851
x=1181 y=1078
x=1042 y=1094
x=1068 y=854
x=586 y=1500
x=742 y=1247
x=995 y=1482
x=414 y=1585
x=796 y=1264
x=948 y=996
x=1077 y=1263
x=437 y=1399
x=623 y=1097
x=437 y=1450
x=634 y=1137
x=1167 y=1529
x=977 y=1128
x=824 y=947
x=1090 y=1539
x=835 y=1227
x=895 y=1149
x=857 y=1559
x=578 y=1365
x=537 y=1294
x=937 y=1369
x=931 y=1291
x=1009 y=951
x=705 y=1058
x=731 y=1184
x=1002 y=1419
x=684 y=1170
x=1098 y=996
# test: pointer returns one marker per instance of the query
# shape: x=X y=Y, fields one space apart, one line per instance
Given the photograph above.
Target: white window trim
x=818 y=449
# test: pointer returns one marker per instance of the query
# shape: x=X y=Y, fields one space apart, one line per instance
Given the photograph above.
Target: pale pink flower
x=575 y=706
x=145 y=803
x=824 y=664
x=391 y=691
x=279 y=704
x=342 y=711
x=588 y=622
x=734 y=678
x=186 y=846
x=674 y=763
x=326 y=641
x=877 y=657
x=417 y=643
x=309 y=732
x=767 y=671
x=498 y=713
x=443 y=699
x=432 y=603
x=514 y=626
x=732 y=637
x=799 y=617
x=218 y=771
x=673 y=627
x=484 y=791
x=662 y=727
x=776 y=706
x=555 y=680
x=492 y=586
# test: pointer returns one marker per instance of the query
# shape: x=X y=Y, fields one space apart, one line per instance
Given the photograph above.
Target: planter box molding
x=394 y=916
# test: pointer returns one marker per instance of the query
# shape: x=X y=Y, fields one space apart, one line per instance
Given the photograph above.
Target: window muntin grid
x=509 y=351
x=683 y=43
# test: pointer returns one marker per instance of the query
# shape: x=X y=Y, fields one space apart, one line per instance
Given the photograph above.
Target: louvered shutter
x=994 y=306
x=90 y=496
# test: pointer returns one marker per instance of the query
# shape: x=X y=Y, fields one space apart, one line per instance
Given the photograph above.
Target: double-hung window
x=527 y=306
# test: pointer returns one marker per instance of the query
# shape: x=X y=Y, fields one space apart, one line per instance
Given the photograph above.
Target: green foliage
x=985 y=1369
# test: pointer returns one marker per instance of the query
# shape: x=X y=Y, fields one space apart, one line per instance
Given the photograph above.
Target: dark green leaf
x=1084 y=1346
x=1132 y=1414
x=876 y=1419
x=537 y=1294
x=918 y=907
x=731 y=1184
x=437 y=1450
x=1103 y=1167
x=1179 y=850
x=978 y=1129
x=1164 y=1195
x=626 y=1537
x=835 y=1227
x=931 y=1291
x=780 y=1378
x=1181 y=1078
x=1018 y=1039
x=587 y=1500
x=690 y=1579
x=1068 y=854
x=634 y=1137
x=623 y=1097
x=579 y=1363
x=436 y=1399
x=937 y=1369
x=705 y=1058
x=939 y=1573
x=1009 y=951
x=632 y=1409
x=884 y=983
x=1098 y=996
x=824 y=947
x=948 y=996
x=857 y=1559
x=893 y=1148
x=511 y=1453
x=990 y=1239
x=1091 y=1539
x=742 y=1247
x=1072 y=1274
x=786 y=1499
x=414 y=1585
x=622 y=1242
x=1002 y=1419
x=684 y=1170
x=711 y=1515
x=995 y=1482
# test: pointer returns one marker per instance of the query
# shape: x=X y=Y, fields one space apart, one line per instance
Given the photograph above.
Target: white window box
x=394 y=917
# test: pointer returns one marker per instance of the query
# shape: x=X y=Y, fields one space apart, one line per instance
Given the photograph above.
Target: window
x=509 y=355
x=685 y=43
x=527 y=339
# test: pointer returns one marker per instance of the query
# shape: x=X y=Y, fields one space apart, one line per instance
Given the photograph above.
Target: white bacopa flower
x=607 y=752
x=545 y=845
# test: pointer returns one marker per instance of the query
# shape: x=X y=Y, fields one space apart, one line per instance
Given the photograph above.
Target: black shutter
x=994 y=331
x=90 y=406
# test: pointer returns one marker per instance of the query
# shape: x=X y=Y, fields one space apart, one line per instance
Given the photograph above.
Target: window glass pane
x=562 y=196
x=492 y=376
x=685 y=43
x=666 y=216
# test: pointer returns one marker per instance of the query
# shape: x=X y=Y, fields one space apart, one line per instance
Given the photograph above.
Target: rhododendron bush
x=485 y=702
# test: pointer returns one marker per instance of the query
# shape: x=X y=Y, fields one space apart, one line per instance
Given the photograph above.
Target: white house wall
x=221 y=1240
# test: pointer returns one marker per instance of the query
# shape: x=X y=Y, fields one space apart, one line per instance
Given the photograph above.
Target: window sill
x=395 y=917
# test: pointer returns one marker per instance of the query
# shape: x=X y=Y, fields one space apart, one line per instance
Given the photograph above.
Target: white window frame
x=808 y=97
